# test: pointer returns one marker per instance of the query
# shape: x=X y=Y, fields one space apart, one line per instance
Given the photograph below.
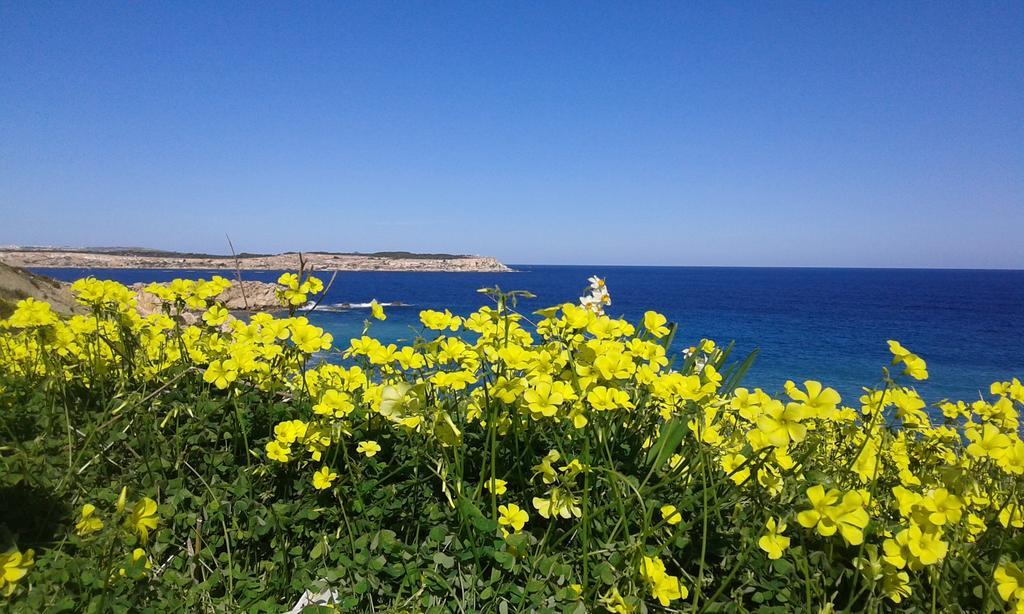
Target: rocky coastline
x=320 y=261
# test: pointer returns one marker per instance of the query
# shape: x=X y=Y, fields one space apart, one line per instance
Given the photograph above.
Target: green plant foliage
x=501 y=461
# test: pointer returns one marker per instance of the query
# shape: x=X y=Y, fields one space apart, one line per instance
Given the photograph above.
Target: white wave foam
x=368 y=305
x=346 y=306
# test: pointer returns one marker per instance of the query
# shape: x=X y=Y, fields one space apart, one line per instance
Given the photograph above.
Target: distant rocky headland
x=141 y=258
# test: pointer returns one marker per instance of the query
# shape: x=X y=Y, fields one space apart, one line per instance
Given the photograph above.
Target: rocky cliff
x=321 y=261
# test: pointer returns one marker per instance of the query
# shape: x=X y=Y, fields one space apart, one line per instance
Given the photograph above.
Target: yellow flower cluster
x=903 y=486
x=140 y=518
x=296 y=290
x=664 y=587
x=185 y=293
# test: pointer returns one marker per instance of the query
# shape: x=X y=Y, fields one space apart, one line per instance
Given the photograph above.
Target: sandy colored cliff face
x=280 y=262
x=16 y=285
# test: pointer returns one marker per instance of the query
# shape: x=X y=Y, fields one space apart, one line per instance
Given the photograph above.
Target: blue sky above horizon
x=796 y=134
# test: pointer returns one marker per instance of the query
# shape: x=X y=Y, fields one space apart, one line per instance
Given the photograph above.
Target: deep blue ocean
x=825 y=324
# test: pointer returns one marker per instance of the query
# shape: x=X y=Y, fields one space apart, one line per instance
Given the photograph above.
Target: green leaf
x=505 y=559
x=672 y=434
x=317 y=551
x=605 y=572
x=737 y=375
x=444 y=560
x=471 y=513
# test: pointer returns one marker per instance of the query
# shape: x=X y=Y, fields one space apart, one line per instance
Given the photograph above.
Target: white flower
x=598 y=297
x=592 y=303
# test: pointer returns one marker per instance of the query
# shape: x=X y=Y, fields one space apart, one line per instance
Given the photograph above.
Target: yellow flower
x=896 y=586
x=221 y=374
x=309 y=338
x=512 y=516
x=926 y=546
x=312 y=285
x=989 y=442
x=88 y=522
x=668 y=589
x=14 y=565
x=278 y=452
x=975 y=527
x=30 y=313
x=774 y=542
x=1010 y=582
x=497 y=486
x=143 y=518
x=654 y=322
x=664 y=587
x=542 y=399
x=409 y=358
x=455 y=380
x=294 y=293
x=851 y=517
x=121 y=499
x=897 y=551
x=368 y=448
x=906 y=500
x=914 y=365
x=289 y=280
x=818 y=515
x=670 y=515
x=138 y=564
x=605 y=398
x=377 y=311
x=613 y=365
x=323 y=478
x=558 y=503
x=615 y=603
x=545 y=469
x=215 y=316
x=515 y=357
x=576 y=317
x=381 y=354
x=578 y=417
x=573 y=468
x=436 y=320
x=818 y=402
x=731 y=464
x=942 y=507
x=781 y=424
x=866 y=463
x=334 y=403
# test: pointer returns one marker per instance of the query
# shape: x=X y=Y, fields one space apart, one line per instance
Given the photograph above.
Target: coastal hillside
x=17 y=284
x=141 y=258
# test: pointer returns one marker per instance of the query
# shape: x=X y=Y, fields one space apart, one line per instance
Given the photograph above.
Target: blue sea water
x=825 y=324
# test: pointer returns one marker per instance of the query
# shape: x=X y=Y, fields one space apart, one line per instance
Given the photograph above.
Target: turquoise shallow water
x=824 y=324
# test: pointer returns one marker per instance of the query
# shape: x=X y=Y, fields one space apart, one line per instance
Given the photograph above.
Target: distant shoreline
x=42 y=258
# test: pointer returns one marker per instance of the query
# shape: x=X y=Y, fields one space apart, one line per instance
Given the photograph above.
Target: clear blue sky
x=828 y=134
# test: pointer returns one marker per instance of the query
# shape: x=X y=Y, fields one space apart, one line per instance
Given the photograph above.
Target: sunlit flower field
x=509 y=459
